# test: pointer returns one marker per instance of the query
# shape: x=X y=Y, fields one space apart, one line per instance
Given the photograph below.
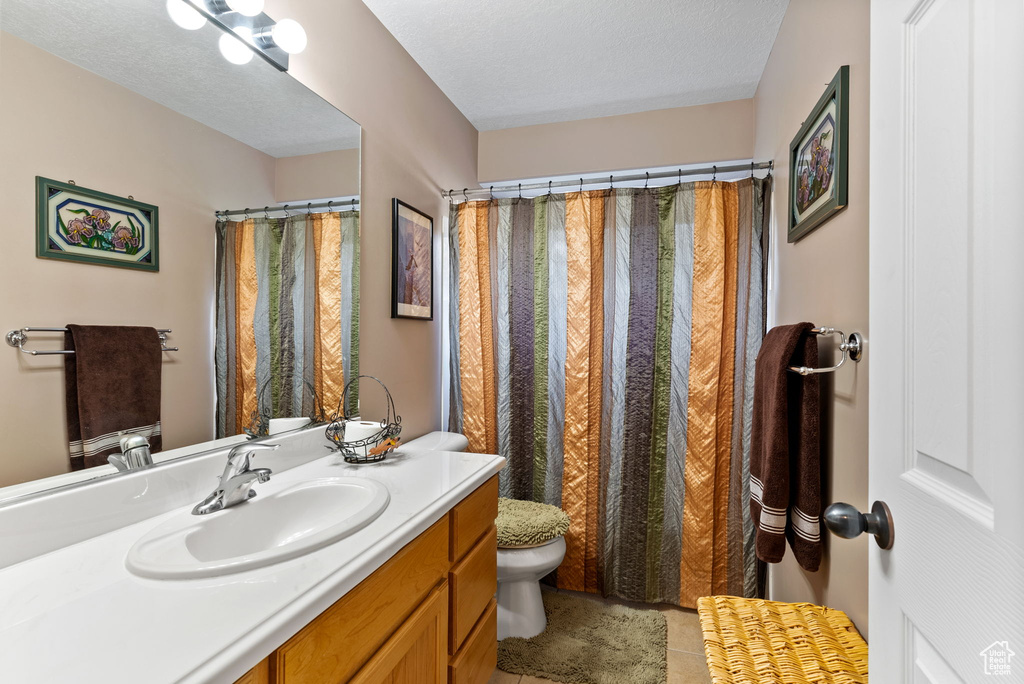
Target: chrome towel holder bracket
x=18 y=339
x=852 y=347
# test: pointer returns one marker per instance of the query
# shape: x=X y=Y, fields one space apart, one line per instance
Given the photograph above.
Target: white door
x=947 y=329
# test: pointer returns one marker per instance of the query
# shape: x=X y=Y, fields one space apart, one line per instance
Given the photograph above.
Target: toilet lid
x=528 y=523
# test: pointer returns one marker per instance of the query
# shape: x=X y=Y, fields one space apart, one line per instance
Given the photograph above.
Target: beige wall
x=316 y=176
x=823 y=278
x=415 y=142
x=684 y=135
x=123 y=144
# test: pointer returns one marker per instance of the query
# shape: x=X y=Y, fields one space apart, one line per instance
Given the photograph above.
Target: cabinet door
x=418 y=652
x=257 y=675
x=334 y=646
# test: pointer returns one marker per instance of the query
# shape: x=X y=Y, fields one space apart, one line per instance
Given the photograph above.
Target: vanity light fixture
x=234 y=46
x=249 y=8
x=185 y=15
x=289 y=35
x=247 y=30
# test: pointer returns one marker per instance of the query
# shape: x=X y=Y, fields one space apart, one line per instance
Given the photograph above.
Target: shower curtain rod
x=298 y=208
x=713 y=170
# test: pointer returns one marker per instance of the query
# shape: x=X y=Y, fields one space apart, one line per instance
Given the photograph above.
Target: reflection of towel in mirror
x=112 y=386
x=785 y=468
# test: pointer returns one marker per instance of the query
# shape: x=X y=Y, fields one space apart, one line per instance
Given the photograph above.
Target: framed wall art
x=412 y=262
x=92 y=227
x=818 y=160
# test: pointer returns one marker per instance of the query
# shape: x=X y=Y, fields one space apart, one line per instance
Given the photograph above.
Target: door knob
x=844 y=520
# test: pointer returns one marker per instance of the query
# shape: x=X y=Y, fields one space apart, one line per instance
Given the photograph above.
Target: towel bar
x=852 y=346
x=18 y=339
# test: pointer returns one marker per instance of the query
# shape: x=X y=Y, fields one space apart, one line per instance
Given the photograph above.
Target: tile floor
x=686 y=664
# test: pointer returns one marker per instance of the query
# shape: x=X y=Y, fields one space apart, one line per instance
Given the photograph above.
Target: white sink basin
x=269 y=529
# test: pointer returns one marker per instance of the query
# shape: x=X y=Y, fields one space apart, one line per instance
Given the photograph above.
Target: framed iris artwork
x=818 y=160
x=412 y=262
x=92 y=227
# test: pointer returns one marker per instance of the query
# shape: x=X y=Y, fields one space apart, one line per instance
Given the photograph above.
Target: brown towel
x=112 y=386
x=785 y=460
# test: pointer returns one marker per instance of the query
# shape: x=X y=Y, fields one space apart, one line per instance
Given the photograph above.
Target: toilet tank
x=438 y=441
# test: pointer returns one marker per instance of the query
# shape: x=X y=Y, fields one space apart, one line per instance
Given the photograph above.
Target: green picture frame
x=818 y=160
x=92 y=227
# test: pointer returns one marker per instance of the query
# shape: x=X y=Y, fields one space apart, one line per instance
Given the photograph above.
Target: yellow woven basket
x=758 y=641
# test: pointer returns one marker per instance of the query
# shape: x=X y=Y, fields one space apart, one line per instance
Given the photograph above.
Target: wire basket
x=377 y=446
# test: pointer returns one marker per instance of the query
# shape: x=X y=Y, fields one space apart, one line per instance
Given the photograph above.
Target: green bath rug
x=588 y=642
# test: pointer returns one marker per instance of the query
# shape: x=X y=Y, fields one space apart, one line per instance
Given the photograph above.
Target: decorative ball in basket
x=366 y=442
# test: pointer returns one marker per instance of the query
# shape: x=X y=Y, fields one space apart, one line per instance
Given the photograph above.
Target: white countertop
x=77 y=615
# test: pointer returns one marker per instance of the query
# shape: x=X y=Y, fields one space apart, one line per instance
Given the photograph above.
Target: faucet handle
x=239 y=458
x=246 y=449
x=249 y=447
x=132 y=441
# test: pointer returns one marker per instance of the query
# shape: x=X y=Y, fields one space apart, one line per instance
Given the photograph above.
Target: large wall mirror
x=262 y=302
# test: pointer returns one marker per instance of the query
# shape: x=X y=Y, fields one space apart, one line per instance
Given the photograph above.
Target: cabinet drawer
x=472 y=584
x=340 y=640
x=478 y=657
x=472 y=517
x=417 y=652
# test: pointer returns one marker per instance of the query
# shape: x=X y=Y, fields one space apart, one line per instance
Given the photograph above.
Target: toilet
x=529 y=548
x=520 y=569
x=437 y=441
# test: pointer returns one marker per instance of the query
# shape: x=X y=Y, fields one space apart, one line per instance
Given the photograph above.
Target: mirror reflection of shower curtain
x=287 y=316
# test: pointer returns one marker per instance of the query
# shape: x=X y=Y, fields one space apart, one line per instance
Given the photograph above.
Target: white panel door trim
x=946 y=430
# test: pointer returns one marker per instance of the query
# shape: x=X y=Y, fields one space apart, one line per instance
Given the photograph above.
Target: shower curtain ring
x=247 y=213
x=549 y=188
x=751 y=168
x=309 y=208
x=329 y=207
x=464 y=195
x=492 y=193
x=581 y=185
x=611 y=182
x=714 y=174
x=680 y=176
x=285 y=210
x=520 y=191
x=647 y=178
x=266 y=212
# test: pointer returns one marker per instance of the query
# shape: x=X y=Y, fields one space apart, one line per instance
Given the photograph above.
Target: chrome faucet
x=236 y=481
x=134 y=454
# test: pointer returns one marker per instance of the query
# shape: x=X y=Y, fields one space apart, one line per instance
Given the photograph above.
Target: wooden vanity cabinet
x=427 y=616
x=472 y=582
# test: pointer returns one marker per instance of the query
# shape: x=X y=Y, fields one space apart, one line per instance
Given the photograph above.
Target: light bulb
x=249 y=8
x=289 y=35
x=233 y=48
x=185 y=15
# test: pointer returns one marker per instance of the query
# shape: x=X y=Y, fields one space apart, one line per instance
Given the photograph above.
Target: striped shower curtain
x=287 y=316
x=604 y=343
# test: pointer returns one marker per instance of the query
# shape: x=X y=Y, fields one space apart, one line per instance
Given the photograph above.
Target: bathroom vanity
x=427 y=616
x=406 y=598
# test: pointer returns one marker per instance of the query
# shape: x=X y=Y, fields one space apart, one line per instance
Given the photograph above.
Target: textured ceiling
x=507 y=63
x=134 y=43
